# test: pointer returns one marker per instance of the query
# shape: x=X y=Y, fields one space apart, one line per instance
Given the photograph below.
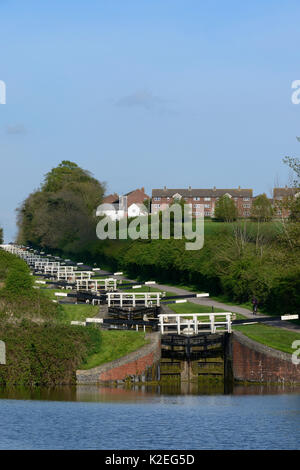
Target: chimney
x=214 y=188
x=143 y=189
x=190 y=188
x=165 y=188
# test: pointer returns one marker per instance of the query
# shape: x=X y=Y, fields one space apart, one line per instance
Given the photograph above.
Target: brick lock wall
x=136 y=368
x=135 y=364
x=259 y=363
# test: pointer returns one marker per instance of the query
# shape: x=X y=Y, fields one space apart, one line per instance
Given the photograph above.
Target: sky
x=149 y=93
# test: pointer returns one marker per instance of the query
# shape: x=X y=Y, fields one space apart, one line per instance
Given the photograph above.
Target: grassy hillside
x=42 y=348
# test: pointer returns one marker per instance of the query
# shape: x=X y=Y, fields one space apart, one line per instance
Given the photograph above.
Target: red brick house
x=128 y=204
x=162 y=198
x=280 y=197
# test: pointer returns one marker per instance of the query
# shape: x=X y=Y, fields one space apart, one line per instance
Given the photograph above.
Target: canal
x=174 y=417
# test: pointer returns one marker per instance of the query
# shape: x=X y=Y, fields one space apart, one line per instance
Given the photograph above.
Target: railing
x=132 y=299
x=95 y=285
x=183 y=324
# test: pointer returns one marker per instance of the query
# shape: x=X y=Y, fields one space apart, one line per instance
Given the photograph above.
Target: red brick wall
x=258 y=363
x=140 y=364
x=239 y=202
x=136 y=367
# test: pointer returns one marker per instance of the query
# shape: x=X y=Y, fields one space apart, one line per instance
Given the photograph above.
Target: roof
x=110 y=198
x=284 y=192
x=114 y=198
x=138 y=190
x=239 y=192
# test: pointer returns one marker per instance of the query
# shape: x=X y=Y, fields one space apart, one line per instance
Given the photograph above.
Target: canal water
x=85 y=417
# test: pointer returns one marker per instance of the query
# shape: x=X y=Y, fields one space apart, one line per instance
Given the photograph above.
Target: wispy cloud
x=141 y=98
x=15 y=129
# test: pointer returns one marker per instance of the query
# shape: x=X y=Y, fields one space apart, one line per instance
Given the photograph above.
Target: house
x=128 y=205
x=280 y=197
x=197 y=198
x=136 y=209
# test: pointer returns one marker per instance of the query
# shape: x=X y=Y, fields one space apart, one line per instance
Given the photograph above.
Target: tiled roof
x=138 y=190
x=284 y=192
x=202 y=192
x=110 y=198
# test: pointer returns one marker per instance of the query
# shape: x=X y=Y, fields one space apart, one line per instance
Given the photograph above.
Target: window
x=207 y=199
x=156 y=199
x=246 y=214
x=246 y=199
x=196 y=198
x=207 y=206
x=207 y=214
x=246 y=206
x=157 y=206
x=197 y=205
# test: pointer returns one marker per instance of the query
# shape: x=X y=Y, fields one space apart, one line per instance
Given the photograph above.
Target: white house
x=116 y=213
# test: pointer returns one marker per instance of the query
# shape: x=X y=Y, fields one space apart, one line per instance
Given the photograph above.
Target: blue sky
x=147 y=93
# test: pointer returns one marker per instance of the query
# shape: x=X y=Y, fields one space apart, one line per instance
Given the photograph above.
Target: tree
x=1 y=235
x=295 y=209
x=292 y=203
x=291 y=227
x=261 y=209
x=225 y=209
x=147 y=203
x=61 y=214
x=294 y=164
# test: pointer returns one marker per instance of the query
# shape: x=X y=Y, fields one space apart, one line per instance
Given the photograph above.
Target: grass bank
x=113 y=345
x=276 y=338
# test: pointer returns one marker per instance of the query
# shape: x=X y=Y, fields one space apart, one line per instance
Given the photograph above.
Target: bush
x=45 y=354
x=19 y=282
x=17 y=296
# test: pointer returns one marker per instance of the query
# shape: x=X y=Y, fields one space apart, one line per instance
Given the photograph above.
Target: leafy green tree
x=295 y=209
x=225 y=209
x=1 y=235
x=69 y=176
x=291 y=228
x=61 y=214
x=261 y=210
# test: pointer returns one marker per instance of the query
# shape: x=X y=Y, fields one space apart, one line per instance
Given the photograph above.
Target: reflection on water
x=91 y=417
x=144 y=393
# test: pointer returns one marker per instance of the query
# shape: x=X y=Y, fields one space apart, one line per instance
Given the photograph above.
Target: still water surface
x=103 y=418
